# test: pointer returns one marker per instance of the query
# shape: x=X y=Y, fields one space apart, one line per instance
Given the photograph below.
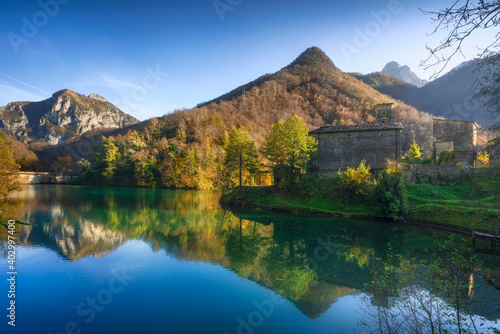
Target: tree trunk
x=241 y=164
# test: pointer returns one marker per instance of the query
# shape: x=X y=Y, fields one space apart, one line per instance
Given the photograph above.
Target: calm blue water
x=100 y=260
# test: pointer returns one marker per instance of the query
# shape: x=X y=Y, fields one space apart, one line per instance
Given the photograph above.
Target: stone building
x=459 y=137
x=383 y=112
x=345 y=146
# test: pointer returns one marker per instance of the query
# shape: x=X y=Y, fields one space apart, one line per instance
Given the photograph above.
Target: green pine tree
x=414 y=151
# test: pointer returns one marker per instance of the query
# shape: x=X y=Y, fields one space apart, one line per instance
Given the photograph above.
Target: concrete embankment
x=43 y=178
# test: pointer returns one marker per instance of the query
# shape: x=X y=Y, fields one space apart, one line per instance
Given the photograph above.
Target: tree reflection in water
x=272 y=250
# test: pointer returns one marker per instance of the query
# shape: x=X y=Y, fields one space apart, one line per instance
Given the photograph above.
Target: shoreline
x=430 y=224
x=284 y=206
x=231 y=199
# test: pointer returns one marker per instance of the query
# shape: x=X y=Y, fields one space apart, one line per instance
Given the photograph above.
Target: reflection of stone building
x=345 y=146
x=458 y=137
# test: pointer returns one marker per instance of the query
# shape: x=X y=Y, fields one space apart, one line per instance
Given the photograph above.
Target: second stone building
x=345 y=146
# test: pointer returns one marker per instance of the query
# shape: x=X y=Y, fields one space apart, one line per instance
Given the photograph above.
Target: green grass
x=315 y=197
x=464 y=205
x=473 y=203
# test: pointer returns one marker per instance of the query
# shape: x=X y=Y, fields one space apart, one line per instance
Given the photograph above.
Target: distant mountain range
x=404 y=73
x=311 y=87
x=449 y=96
x=63 y=116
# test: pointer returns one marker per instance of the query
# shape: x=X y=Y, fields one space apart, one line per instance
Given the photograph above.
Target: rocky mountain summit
x=403 y=73
x=450 y=96
x=63 y=116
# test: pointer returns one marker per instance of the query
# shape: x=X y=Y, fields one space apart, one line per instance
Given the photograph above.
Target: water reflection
x=311 y=262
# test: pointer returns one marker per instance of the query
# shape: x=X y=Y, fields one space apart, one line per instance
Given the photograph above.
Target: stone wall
x=432 y=174
x=340 y=150
x=443 y=175
x=444 y=146
x=43 y=178
x=461 y=133
x=325 y=174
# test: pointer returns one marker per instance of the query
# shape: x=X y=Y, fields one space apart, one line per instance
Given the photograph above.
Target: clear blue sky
x=152 y=57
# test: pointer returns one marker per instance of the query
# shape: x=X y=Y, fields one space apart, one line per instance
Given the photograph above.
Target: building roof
x=359 y=127
x=383 y=105
x=455 y=120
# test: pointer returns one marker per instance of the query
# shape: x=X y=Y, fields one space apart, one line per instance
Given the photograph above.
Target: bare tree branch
x=460 y=21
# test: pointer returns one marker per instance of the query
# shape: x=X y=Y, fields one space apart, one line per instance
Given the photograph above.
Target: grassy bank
x=460 y=205
x=470 y=204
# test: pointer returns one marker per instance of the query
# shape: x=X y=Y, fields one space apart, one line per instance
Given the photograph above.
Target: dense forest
x=221 y=160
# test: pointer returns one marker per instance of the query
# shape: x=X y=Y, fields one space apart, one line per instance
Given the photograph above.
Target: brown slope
x=378 y=79
x=311 y=87
x=23 y=153
x=80 y=147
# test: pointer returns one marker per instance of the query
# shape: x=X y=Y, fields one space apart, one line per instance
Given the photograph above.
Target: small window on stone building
x=383 y=113
x=384 y=121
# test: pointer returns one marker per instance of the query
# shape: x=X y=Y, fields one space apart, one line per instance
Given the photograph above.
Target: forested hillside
x=187 y=148
x=314 y=89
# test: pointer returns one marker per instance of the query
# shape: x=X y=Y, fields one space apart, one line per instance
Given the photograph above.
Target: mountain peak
x=63 y=92
x=314 y=57
x=404 y=73
x=61 y=117
x=391 y=66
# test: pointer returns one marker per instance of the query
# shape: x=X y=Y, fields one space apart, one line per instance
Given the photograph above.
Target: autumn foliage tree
x=414 y=154
x=241 y=154
x=289 y=144
x=8 y=166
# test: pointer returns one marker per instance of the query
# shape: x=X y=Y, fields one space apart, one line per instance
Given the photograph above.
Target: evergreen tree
x=241 y=153
x=414 y=151
x=414 y=155
x=110 y=156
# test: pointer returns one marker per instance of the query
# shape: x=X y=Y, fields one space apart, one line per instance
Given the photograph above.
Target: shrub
x=412 y=160
x=356 y=181
x=484 y=158
x=414 y=155
x=446 y=158
x=414 y=151
x=394 y=166
x=390 y=196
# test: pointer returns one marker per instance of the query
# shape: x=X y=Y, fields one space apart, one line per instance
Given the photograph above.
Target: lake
x=120 y=260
